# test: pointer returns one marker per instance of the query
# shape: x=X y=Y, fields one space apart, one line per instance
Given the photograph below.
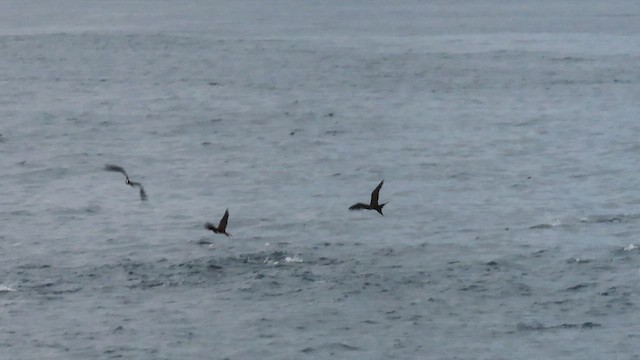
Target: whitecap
x=294 y=259
x=6 y=288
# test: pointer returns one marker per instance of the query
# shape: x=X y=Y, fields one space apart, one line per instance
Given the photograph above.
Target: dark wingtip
x=143 y=195
x=112 y=167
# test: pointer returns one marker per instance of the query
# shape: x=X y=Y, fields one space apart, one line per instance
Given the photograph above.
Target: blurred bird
x=222 y=226
x=116 y=168
x=373 y=205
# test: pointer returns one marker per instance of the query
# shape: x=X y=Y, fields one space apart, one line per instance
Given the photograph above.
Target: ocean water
x=507 y=135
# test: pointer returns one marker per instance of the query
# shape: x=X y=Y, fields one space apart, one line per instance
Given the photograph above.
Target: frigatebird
x=373 y=205
x=222 y=226
x=116 y=168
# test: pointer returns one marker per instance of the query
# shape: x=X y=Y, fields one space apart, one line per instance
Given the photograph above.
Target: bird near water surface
x=222 y=226
x=373 y=205
x=120 y=169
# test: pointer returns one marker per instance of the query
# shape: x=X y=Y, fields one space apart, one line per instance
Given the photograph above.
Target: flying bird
x=116 y=168
x=222 y=226
x=373 y=205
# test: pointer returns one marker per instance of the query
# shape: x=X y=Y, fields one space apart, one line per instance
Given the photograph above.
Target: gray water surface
x=507 y=136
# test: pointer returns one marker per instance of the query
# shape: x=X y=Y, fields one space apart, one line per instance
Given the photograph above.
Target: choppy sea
x=507 y=135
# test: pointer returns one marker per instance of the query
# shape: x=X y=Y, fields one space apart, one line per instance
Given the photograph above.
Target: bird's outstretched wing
x=116 y=168
x=359 y=206
x=376 y=194
x=143 y=194
x=223 y=222
x=210 y=226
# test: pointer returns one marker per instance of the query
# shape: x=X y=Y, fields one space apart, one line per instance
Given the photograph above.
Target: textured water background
x=484 y=121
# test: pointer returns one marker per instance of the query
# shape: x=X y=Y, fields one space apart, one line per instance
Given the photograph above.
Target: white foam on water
x=6 y=288
x=294 y=259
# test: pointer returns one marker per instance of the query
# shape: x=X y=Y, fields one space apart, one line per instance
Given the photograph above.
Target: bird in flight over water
x=116 y=168
x=373 y=205
x=222 y=226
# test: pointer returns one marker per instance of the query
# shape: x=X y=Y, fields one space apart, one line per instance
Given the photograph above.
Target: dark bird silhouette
x=373 y=205
x=222 y=226
x=116 y=168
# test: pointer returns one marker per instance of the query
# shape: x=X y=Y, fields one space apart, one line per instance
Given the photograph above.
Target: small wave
x=571 y=59
x=554 y=223
x=269 y=258
x=332 y=347
x=537 y=326
x=578 y=261
x=600 y=219
x=294 y=259
x=6 y=288
x=530 y=326
x=204 y=242
x=630 y=247
x=579 y=286
x=541 y=226
x=591 y=219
